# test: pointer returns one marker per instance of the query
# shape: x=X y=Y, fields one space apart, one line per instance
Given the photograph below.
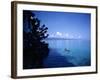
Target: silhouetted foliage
x=35 y=49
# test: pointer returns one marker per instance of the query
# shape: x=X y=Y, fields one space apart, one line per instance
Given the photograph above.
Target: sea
x=68 y=53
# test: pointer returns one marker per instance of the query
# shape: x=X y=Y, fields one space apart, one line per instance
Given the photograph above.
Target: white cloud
x=79 y=36
x=58 y=33
x=66 y=34
x=52 y=35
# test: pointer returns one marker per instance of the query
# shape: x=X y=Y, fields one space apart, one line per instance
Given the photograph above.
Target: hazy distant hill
x=60 y=39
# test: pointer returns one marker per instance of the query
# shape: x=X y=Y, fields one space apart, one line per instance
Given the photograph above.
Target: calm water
x=68 y=53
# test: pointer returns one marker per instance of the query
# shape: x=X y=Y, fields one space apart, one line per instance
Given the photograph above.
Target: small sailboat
x=67 y=50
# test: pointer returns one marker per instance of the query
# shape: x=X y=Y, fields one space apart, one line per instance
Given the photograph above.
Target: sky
x=66 y=24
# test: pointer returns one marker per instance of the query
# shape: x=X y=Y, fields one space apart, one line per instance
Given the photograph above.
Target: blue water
x=68 y=53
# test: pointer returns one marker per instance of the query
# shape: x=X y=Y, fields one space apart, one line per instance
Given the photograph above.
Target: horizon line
x=66 y=38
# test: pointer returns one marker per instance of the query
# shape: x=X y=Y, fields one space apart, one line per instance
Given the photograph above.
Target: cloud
x=58 y=33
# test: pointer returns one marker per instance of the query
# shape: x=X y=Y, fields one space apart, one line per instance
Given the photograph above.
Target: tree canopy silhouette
x=35 y=49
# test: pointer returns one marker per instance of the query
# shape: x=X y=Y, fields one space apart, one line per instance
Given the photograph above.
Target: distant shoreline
x=64 y=39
